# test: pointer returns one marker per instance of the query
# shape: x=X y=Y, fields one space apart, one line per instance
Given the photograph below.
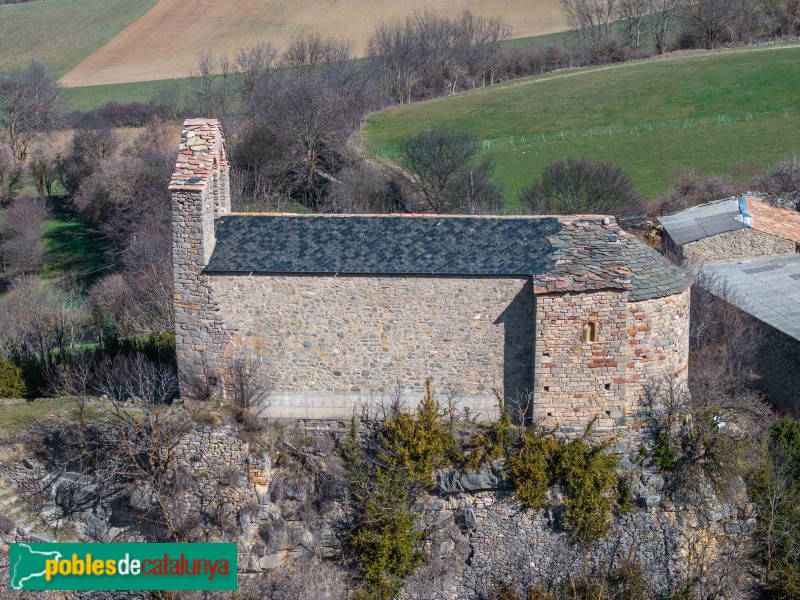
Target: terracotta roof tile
x=775 y=221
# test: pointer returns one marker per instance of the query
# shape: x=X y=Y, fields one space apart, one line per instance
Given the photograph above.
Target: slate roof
x=560 y=253
x=766 y=287
x=699 y=222
x=721 y=216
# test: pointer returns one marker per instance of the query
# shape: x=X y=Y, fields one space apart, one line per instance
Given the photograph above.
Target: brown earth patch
x=166 y=42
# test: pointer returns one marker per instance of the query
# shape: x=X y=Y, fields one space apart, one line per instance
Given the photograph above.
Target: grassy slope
x=62 y=32
x=680 y=87
x=85 y=98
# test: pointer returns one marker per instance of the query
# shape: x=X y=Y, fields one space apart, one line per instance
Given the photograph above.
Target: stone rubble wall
x=658 y=344
x=200 y=193
x=577 y=380
x=331 y=344
x=732 y=245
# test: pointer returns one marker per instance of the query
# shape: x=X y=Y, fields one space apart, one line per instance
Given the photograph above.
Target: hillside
x=167 y=41
x=62 y=32
x=728 y=112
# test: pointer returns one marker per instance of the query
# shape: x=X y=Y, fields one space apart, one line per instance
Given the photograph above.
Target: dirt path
x=167 y=41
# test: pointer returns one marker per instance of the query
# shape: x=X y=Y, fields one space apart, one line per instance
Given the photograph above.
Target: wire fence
x=635 y=128
x=612 y=130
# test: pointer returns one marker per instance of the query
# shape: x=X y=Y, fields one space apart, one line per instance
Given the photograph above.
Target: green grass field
x=684 y=89
x=86 y=98
x=72 y=246
x=61 y=33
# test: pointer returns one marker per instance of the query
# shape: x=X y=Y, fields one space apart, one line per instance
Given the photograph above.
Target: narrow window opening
x=547 y=388
x=608 y=386
x=590 y=331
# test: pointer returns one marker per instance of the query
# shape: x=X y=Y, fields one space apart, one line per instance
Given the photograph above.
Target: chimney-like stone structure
x=200 y=193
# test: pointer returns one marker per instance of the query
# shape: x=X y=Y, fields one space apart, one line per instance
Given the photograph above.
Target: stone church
x=346 y=312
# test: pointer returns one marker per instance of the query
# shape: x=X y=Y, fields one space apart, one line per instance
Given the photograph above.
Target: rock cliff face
x=283 y=510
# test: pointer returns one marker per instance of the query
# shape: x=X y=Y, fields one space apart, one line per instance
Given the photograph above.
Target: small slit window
x=590 y=331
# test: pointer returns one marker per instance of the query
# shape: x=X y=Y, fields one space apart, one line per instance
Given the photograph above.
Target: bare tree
x=776 y=494
x=30 y=103
x=591 y=20
x=254 y=64
x=311 y=51
x=725 y=342
x=213 y=85
x=200 y=383
x=441 y=165
x=21 y=226
x=75 y=378
x=127 y=378
x=783 y=16
x=11 y=171
x=364 y=188
x=479 y=41
x=88 y=148
x=38 y=318
x=43 y=167
x=249 y=387
x=634 y=13
x=663 y=14
x=404 y=50
x=710 y=18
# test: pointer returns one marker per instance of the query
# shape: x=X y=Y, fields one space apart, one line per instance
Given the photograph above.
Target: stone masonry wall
x=578 y=380
x=658 y=343
x=200 y=193
x=779 y=369
x=334 y=343
x=742 y=243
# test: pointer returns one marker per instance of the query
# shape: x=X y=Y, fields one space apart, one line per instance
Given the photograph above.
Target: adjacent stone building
x=347 y=313
x=746 y=253
x=730 y=229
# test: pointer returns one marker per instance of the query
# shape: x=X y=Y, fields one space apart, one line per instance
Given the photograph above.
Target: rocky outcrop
x=288 y=509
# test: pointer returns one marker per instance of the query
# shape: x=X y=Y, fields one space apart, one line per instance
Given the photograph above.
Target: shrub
x=784 y=178
x=12 y=383
x=386 y=542
x=419 y=443
x=579 y=185
x=528 y=468
x=692 y=190
x=583 y=471
x=495 y=443
x=663 y=455
x=624 y=496
x=586 y=475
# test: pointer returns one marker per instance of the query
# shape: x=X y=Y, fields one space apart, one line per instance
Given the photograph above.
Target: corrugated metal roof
x=559 y=253
x=766 y=287
x=699 y=222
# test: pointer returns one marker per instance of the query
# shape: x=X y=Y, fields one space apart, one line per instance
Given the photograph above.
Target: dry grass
x=166 y=42
x=61 y=33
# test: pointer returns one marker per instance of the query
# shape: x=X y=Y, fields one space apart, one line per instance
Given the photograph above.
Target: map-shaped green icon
x=28 y=564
